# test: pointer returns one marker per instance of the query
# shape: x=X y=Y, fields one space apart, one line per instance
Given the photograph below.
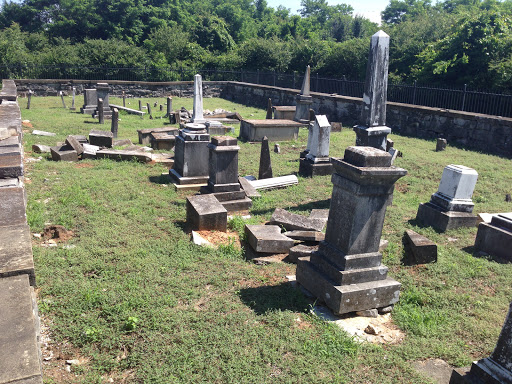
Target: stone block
x=312 y=236
x=63 y=153
x=308 y=168
x=16 y=252
x=432 y=215
x=145 y=134
x=13 y=141
x=205 y=212
x=9 y=151
x=20 y=362
x=321 y=214
x=101 y=138
x=274 y=130
x=11 y=165
x=267 y=239
x=162 y=141
x=441 y=144
x=12 y=206
x=458 y=182
x=367 y=157
x=237 y=205
x=419 y=249
x=292 y=221
x=121 y=154
x=40 y=148
x=284 y=112
x=75 y=144
x=375 y=137
x=301 y=250
x=495 y=238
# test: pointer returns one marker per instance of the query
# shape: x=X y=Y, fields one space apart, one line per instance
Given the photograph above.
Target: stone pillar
x=265 y=170
x=62 y=99
x=191 y=155
x=304 y=100
x=90 y=101
x=497 y=368
x=223 y=164
x=169 y=106
x=29 y=96
x=316 y=161
x=140 y=105
x=73 y=99
x=102 y=92
x=115 y=122
x=101 y=111
x=372 y=131
x=124 y=100
x=269 y=109
x=346 y=272
x=149 y=111
x=197 y=116
x=451 y=206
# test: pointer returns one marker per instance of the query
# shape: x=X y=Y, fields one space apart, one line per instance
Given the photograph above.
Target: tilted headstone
x=62 y=99
x=316 y=161
x=372 y=130
x=115 y=122
x=265 y=171
x=346 y=272
x=73 y=99
x=197 y=116
x=304 y=100
x=191 y=155
x=451 y=206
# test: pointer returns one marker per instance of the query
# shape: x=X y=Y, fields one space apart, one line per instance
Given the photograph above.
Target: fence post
x=464 y=97
x=414 y=93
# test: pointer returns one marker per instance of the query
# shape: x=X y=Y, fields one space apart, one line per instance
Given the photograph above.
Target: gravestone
x=124 y=100
x=441 y=145
x=197 y=116
x=346 y=272
x=284 y=112
x=169 y=106
x=191 y=155
x=273 y=129
x=140 y=105
x=495 y=238
x=148 y=106
x=317 y=162
x=101 y=111
x=114 y=127
x=90 y=102
x=29 y=96
x=73 y=99
x=269 y=109
x=265 y=170
x=451 y=206
x=63 y=153
x=495 y=369
x=223 y=174
x=101 y=138
x=304 y=100
x=204 y=212
x=372 y=131
x=102 y=93
x=62 y=99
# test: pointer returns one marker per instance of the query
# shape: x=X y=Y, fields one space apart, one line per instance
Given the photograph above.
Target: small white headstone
x=458 y=182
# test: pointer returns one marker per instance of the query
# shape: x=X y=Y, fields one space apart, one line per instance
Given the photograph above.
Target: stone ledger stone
x=20 y=362
x=267 y=239
x=273 y=129
x=205 y=212
x=346 y=272
x=495 y=238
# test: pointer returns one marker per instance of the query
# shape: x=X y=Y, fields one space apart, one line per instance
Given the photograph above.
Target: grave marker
x=197 y=116
x=316 y=161
x=304 y=100
x=265 y=171
x=115 y=122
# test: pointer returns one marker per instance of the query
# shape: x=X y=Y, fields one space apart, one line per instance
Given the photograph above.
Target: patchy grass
x=140 y=303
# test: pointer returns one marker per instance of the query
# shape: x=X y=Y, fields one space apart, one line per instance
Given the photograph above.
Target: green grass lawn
x=141 y=304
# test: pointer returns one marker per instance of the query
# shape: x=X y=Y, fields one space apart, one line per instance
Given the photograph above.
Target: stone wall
x=131 y=88
x=486 y=133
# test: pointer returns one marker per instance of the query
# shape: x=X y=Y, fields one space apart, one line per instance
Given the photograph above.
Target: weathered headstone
x=149 y=111
x=441 y=145
x=347 y=272
x=451 y=206
x=124 y=100
x=205 y=212
x=73 y=99
x=62 y=99
x=90 y=101
x=169 y=106
x=269 y=109
x=114 y=127
x=102 y=90
x=495 y=369
x=101 y=138
x=101 y=112
x=265 y=171
x=372 y=131
x=197 y=117
x=304 y=100
x=29 y=98
x=495 y=238
x=418 y=249
x=140 y=105
x=316 y=161
x=191 y=155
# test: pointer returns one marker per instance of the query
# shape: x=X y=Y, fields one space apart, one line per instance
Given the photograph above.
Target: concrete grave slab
x=16 y=252
x=292 y=221
x=267 y=239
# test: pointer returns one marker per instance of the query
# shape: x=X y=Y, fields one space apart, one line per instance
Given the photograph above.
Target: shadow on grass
x=320 y=204
x=283 y=297
x=482 y=255
x=160 y=179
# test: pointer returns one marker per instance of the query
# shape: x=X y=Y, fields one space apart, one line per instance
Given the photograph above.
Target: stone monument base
x=308 y=168
x=198 y=181
x=482 y=371
x=273 y=129
x=348 y=297
x=232 y=201
x=495 y=238
x=436 y=217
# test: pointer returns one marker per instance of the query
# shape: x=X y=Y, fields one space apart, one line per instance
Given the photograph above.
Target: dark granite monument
x=265 y=170
x=346 y=272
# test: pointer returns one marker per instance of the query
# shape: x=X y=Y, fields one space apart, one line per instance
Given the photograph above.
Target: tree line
x=450 y=43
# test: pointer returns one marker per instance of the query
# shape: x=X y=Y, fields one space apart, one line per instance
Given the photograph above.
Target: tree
x=398 y=11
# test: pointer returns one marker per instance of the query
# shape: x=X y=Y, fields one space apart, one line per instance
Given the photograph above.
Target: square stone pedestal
x=495 y=238
x=372 y=136
x=273 y=129
x=284 y=112
x=434 y=216
x=309 y=168
x=205 y=212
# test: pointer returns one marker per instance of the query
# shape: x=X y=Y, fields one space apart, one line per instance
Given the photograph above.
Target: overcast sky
x=370 y=9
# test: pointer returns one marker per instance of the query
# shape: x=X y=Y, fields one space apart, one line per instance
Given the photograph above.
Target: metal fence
x=461 y=98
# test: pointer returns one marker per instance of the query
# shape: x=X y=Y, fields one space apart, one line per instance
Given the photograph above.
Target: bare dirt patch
x=221 y=238
x=84 y=165
x=27 y=124
x=57 y=233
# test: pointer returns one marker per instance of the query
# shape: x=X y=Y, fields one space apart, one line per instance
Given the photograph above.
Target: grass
x=142 y=304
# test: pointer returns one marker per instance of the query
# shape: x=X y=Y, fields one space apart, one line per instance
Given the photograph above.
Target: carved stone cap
x=367 y=157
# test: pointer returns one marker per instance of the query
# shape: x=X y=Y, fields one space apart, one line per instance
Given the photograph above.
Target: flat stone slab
x=292 y=221
x=313 y=236
x=301 y=250
x=18 y=340
x=268 y=239
x=42 y=133
x=273 y=129
x=16 y=252
x=130 y=111
x=249 y=190
x=205 y=212
x=121 y=154
x=419 y=249
x=320 y=214
x=12 y=206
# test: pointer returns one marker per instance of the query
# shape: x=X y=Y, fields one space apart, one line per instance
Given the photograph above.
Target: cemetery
x=197 y=236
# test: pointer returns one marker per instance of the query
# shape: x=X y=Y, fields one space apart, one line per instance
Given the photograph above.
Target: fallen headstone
x=101 y=138
x=301 y=250
x=75 y=144
x=275 y=182
x=419 y=249
x=63 y=153
x=267 y=239
x=249 y=190
x=90 y=151
x=292 y=221
x=310 y=236
x=42 y=133
x=121 y=142
x=205 y=212
x=122 y=154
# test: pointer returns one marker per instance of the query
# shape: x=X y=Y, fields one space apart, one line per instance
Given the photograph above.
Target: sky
x=370 y=9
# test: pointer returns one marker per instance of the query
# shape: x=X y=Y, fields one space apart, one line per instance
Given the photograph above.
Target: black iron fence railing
x=462 y=98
